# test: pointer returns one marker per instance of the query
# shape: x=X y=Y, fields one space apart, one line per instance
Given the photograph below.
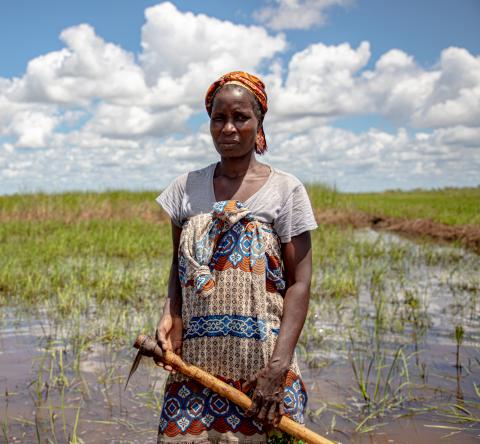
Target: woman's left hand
x=267 y=399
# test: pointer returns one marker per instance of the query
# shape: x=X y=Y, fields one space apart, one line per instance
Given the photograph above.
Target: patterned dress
x=232 y=286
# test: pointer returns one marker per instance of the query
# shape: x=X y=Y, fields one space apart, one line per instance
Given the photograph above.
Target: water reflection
x=390 y=354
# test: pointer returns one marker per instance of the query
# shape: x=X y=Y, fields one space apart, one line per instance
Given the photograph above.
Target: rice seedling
x=5 y=429
x=459 y=335
x=377 y=343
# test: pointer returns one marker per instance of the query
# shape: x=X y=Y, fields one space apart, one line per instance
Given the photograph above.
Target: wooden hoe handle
x=147 y=346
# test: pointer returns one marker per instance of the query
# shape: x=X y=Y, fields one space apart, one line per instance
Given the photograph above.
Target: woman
x=239 y=281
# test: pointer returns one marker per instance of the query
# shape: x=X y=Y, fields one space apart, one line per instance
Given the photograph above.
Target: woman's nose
x=229 y=127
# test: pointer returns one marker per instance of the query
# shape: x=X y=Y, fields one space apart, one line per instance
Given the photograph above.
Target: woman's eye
x=242 y=117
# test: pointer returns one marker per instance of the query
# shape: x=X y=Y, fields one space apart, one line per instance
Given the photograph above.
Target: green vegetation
x=105 y=258
x=93 y=268
x=451 y=206
x=74 y=202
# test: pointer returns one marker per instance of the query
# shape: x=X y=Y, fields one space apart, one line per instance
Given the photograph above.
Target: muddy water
x=431 y=396
x=403 y=332
x=40 y=401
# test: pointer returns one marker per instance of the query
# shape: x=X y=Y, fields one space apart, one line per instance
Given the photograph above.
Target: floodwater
x=425 y=300
x=36 y=407
x=396 y=341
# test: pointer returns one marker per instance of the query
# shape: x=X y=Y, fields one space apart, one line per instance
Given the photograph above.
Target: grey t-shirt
x=281 y=201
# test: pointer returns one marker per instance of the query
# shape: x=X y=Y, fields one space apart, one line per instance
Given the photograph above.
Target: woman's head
x=236 y=104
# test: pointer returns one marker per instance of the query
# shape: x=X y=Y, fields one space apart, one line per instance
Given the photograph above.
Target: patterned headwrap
x=252 y=84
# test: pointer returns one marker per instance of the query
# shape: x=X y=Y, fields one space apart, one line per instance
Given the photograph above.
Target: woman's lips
x=229 y=143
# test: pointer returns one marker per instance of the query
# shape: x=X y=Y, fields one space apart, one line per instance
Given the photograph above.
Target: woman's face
x=233 y=124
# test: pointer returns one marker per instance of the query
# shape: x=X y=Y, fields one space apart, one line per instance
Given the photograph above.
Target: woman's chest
x=237 y=189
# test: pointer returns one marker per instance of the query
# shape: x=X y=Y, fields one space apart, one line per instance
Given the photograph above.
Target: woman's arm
x=169 y=333
x=268 y=395
x=297 y=259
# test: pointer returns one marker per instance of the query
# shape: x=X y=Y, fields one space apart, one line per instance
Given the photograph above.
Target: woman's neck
x=238 y=166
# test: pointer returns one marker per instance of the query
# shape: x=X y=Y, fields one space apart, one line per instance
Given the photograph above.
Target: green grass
x=107 y=245
x=452 y=206
x=74 y=201
x=103 y=257
x=95 y=266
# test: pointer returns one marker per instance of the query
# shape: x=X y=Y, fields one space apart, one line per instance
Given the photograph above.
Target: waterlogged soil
x=421 y=381
x=467 y=235
x=44 y=387
x=381 y=366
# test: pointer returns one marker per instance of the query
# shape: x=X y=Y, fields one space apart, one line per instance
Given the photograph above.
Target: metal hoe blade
x=137 y=360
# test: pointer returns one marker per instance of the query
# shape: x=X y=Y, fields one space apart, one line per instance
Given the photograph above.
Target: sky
x=365 y=95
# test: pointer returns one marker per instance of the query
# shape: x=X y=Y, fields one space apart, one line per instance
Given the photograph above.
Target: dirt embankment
x=467 y=235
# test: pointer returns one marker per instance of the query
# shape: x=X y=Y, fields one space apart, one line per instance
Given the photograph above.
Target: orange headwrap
x=252 y=84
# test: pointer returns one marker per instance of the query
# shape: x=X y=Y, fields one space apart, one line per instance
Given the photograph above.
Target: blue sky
x=402 y=98
x=421 y=28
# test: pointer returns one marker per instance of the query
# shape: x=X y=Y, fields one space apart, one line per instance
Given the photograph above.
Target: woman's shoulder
x=283 y=182
x=295 y=214
x=187 y=194
x=285 y=176
x=202 y=174
x=194 y=176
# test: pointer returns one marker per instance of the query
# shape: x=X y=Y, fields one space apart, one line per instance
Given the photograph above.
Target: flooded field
x=390 y=350
x=399 y=360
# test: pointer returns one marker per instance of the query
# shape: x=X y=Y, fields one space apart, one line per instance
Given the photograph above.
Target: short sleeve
x=296 y=215
x=171 y=199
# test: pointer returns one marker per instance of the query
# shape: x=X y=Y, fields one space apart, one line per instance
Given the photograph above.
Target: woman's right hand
x=169 y=336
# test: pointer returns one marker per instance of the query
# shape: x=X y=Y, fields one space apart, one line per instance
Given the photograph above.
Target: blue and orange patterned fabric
x=190 y=408
x=233 y=239
x=232 y=281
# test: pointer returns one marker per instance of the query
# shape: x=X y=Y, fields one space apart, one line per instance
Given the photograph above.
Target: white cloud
x=379 y=160
x=331 y=81
x=369 y=160
x=88 y=68
x=30 y=125
x=134 y=121
x=455 y=96
x=457 y=136
x=321 y=81
x=447 y=95
x=183 y=52
x=99 y=116
x=33 y=128
x=296 y=14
